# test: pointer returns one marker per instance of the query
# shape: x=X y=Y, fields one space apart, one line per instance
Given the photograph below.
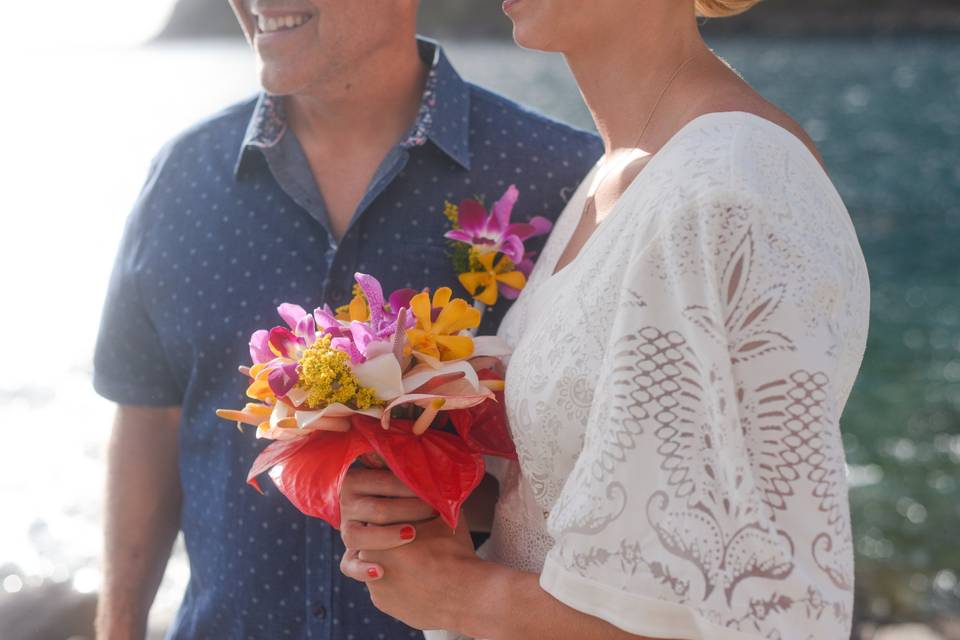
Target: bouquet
x=397 y=382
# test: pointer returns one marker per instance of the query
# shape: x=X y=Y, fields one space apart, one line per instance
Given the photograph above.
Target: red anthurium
x=274 y=455
x=484 y=427
x=310 y=476
x=439 y=467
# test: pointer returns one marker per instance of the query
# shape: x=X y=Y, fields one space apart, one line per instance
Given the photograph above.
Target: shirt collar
x=443 y=119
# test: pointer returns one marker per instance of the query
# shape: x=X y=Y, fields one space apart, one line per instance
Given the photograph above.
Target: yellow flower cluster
x=452 y=212
x=326 y=377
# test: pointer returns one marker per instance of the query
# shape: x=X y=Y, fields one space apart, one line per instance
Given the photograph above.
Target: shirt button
x=320 y=612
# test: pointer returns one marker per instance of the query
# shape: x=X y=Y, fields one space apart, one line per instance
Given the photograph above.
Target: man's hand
x=142 y=517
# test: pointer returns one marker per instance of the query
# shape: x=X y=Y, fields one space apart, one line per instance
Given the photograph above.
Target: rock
x=48 y=612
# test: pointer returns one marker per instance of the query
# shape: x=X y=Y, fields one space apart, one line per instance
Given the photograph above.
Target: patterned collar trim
x=268 y=124
x=443 y=118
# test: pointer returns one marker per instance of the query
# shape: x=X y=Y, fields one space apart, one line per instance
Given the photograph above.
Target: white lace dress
x=675 y=396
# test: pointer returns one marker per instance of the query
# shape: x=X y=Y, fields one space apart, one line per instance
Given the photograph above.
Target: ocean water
x=82 y=126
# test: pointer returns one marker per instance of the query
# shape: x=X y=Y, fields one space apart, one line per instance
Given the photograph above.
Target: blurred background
x=92 y=94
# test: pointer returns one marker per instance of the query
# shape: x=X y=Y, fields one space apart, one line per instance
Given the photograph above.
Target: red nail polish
x=373 y=573
x=407 y=533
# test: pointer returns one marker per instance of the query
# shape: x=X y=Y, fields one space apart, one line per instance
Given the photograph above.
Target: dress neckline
x=570 y=228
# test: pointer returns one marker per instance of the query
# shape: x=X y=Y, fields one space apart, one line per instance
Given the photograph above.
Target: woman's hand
x=424 y=584
x=438 y=582
x=377 y=511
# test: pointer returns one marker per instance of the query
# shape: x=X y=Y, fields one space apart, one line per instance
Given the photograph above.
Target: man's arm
x=142 y=517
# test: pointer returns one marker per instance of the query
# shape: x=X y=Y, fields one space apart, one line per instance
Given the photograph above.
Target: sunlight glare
x=107 y=23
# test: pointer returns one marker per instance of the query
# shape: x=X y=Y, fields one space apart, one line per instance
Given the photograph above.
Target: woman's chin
x=532 y=38
x=534 y=26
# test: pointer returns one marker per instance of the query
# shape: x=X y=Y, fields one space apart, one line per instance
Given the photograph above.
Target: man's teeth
x=269 y=25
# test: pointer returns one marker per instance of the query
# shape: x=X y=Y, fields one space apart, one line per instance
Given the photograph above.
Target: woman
x=682 y=354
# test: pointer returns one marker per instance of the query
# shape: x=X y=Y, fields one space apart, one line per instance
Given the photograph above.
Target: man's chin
x=278 y=83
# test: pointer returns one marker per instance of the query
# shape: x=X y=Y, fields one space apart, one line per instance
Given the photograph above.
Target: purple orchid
x=280 y=348
x=383 y=313
x=364 y=340
x=494 y=232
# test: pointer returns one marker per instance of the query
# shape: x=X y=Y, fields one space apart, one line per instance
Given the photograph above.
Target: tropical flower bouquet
x=397 y=381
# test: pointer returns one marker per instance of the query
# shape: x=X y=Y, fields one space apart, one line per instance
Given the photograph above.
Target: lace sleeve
x=709 y=499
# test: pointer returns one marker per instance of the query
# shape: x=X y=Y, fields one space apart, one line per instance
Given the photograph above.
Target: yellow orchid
x=259 y=388
x=358 y=310
x=255 y=414
x=438 y=340
x=484 y=284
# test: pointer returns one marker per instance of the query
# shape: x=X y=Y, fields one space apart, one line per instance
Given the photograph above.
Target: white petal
x=423 y=373
x=451 y=402
x=281 y=410
x=383 y=375
x=425 y=359
x=297 y=396
x=490 y=346
x=379 y=348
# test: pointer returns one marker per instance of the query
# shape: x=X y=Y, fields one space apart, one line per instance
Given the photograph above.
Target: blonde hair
x=722 y=8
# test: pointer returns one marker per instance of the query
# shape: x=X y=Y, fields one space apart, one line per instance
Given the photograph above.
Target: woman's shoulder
x=743 y=173
x=737 y=169
x=758 y=153
x=763 y=118
x=729 y=97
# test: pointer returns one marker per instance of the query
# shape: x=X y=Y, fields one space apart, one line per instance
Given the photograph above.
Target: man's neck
x=621 y=79
x=374 y=101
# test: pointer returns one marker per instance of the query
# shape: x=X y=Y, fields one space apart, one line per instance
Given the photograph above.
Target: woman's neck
x=622 y=79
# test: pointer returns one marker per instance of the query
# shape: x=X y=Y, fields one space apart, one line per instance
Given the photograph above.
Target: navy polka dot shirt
x=229 y=225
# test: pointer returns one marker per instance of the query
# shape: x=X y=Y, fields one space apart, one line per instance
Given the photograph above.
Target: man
x=284 y=199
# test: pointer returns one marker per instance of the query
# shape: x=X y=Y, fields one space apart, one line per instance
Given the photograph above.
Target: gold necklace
x=590 y=205
x=646 y=124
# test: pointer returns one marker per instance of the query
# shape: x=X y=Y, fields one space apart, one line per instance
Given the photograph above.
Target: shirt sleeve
x=709 y=498
x=130 y=363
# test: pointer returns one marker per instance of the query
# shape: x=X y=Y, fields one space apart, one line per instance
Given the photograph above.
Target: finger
x=376 y=482
x=385 y=511
x=368 y=537
x=353 y=567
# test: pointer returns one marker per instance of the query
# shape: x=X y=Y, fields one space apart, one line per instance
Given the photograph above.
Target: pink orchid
x=280 y=348
x=494 y=232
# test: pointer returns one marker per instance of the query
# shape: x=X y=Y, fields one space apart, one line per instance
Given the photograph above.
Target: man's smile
x=281 y=22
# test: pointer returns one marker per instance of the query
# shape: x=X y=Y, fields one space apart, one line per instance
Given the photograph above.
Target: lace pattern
x=675 y=395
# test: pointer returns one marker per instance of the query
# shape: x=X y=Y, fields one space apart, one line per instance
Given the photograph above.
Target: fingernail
x=373 y=573
x=407 y=533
